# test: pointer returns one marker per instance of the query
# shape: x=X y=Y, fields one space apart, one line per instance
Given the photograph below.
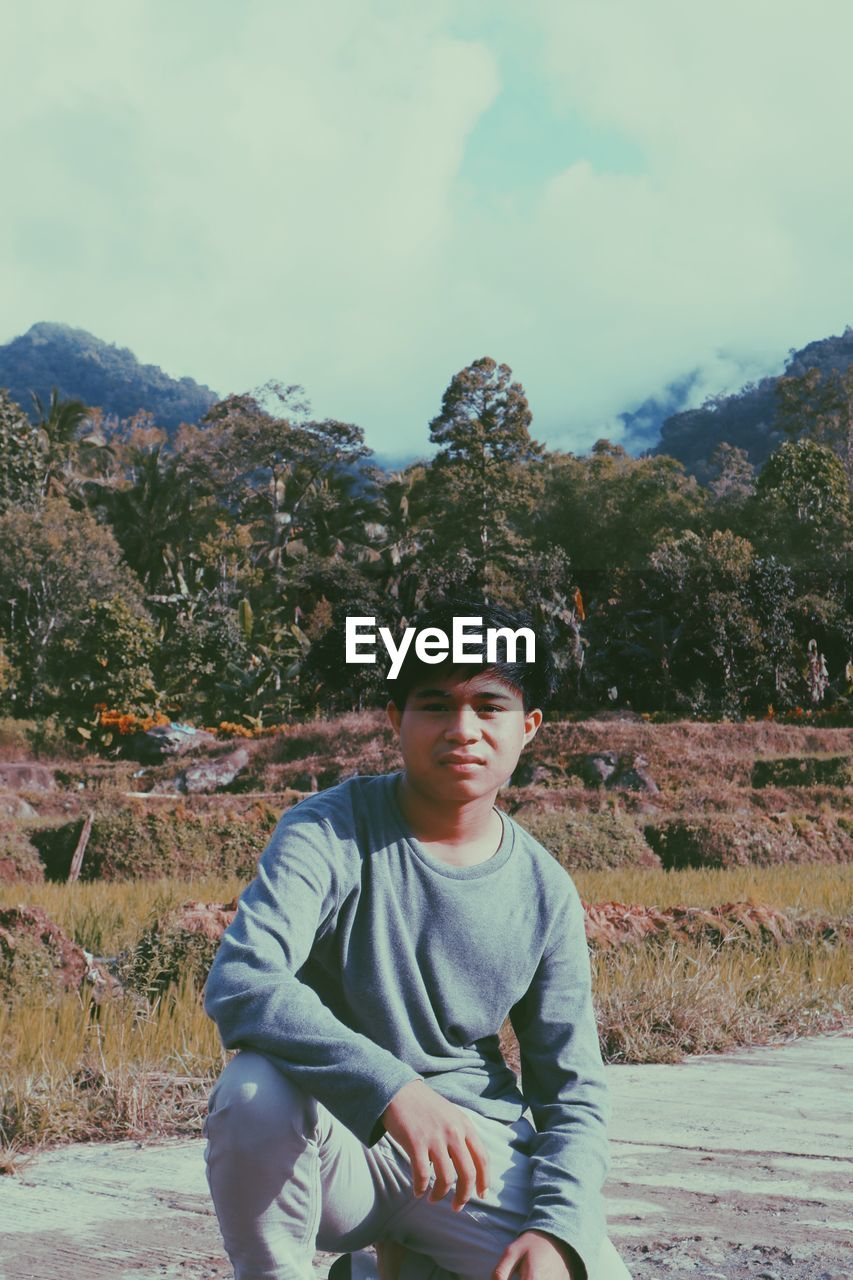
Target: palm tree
x=151 y=518
x=59 y=423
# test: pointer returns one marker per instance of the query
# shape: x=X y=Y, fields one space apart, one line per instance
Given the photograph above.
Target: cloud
x=240 y=192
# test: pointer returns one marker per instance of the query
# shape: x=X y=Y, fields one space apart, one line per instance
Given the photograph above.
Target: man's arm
x=563 y=1083
x=257 y=1002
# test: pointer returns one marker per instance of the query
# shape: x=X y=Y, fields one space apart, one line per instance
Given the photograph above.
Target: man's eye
x=490 y=707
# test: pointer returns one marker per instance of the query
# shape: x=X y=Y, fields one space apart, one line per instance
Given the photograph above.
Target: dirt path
x=723 y=1168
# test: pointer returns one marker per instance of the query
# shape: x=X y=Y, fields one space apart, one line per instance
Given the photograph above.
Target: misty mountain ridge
x=104 y=375
x=101 y=374
x=748 y=418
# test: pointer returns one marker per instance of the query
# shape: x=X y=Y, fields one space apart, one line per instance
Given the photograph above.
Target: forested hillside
x=82 y=367
x=757 y=418
x=207 y=574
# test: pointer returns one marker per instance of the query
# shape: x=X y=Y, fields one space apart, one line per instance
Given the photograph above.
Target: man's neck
x=460 y=834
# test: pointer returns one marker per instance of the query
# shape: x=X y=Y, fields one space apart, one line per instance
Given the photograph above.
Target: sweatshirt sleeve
x=257 y=1001
x=563 y=1083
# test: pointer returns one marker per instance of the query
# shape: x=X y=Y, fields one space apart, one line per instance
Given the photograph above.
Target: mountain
x=747 y=419
x=102 y=375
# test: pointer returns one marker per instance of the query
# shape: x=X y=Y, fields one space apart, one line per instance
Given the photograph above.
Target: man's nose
x=464 y=725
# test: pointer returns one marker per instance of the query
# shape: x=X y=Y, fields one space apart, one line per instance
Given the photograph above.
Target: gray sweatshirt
x=358 y=962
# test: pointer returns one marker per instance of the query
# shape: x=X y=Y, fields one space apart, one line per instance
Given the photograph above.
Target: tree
x=295 y=494
x=819 y=406
x=481 y=480
x=151 y=512
x=730 y=486
x=108 y=660
x=53 y=562
x=801 y=510
x=21 y=459
x=705 y=629
x=59 y=423
x=610 y=510
x=272 y=467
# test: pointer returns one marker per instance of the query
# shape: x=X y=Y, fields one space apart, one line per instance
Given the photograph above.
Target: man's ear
x=532 y=721
x=394 y=716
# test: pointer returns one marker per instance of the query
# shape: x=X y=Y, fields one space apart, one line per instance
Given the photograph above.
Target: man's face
x=461 y=739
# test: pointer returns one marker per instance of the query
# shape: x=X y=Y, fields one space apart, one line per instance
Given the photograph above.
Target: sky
x=363 y=196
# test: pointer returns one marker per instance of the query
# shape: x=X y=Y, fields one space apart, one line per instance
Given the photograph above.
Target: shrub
x=721 y=840
x=803 y=771
x=586 y=840
x=179 y=948
x=37 y=960
x=19 y=859
x=129 y=843
x=53 y=563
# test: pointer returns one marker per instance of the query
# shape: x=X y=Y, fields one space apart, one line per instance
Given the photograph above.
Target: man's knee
x=253 y=1105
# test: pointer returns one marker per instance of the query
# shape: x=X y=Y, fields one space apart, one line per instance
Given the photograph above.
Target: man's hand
x=535 y=1255
x=432 y=1130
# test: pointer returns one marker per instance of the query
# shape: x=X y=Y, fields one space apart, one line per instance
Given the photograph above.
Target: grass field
x=72 y=1071
x=105 y=917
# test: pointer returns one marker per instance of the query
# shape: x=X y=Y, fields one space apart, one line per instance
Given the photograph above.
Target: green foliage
x=248 y=539
x=127 y=843
x=706 y=630
x=801 y=505
x=199 y=666
x=21 y=460
x=586 y=840
x=481 y=480
x=819 y=404
x=152 y=516
x=610 y=511
x=44 y=737
x=165 y=957
x=53 y=562
x=109 y=660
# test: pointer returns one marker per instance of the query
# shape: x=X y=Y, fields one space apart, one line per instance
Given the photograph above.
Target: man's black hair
x=536 y=681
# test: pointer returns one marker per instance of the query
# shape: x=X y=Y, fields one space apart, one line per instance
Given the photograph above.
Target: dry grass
x=823 y=888
x=684 y=755
x=655 y=1004
x=107 y=917
x=75 y=1072
x=72 y=1071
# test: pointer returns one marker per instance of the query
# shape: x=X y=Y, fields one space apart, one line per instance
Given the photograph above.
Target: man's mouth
x=461 y=760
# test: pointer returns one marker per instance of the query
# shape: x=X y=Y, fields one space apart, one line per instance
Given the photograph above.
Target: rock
x=597 y=768
x=213 y=775
x=27 y=777
x=630 y=775
x=165 y=741
x=531 y=773
x=12 y=806
x=612 y=770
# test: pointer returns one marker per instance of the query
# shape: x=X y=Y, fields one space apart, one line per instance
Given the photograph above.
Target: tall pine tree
x=482 y=486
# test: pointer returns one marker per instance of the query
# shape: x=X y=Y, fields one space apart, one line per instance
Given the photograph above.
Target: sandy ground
x=723 y=1168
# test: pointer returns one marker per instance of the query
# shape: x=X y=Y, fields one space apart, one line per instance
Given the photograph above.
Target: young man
x=394 y=924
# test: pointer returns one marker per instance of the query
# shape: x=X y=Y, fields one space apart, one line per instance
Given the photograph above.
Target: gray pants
x=287 y=1178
